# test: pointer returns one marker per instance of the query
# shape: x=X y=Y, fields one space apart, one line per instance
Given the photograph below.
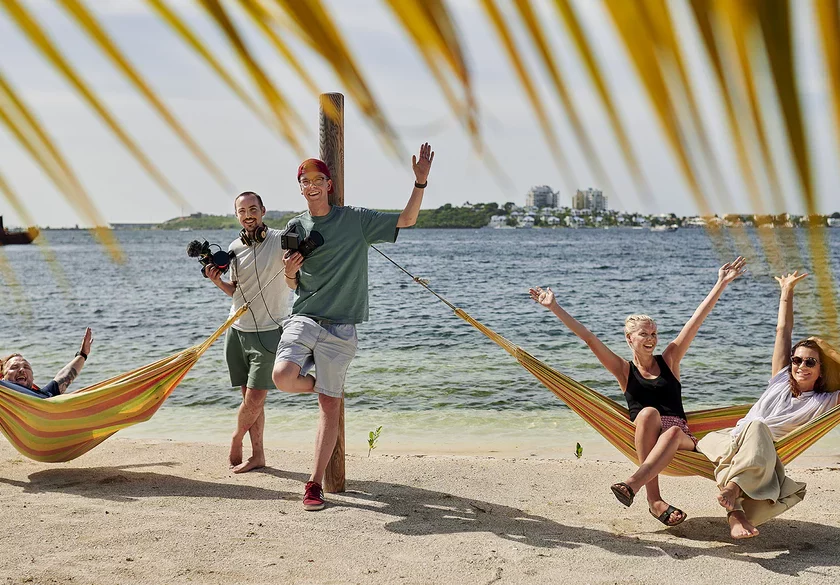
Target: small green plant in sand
x=373 y=437
x=578 y=451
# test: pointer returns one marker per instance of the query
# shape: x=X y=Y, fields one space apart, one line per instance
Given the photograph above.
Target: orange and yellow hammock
x=612 y=421
x=67 y=426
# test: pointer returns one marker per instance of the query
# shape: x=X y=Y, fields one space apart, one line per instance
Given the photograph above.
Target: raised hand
x=732 y=270
x=423 y=164
x=87 y=340
x=788 y=281
x=543 y=297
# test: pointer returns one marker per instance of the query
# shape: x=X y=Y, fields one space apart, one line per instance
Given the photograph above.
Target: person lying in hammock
x=748 y=472
x=16 y=373
x=651 y=385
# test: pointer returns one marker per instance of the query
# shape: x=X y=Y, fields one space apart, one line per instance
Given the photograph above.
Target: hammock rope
x=612 y=420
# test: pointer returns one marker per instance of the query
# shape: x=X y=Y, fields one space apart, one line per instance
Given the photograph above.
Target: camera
x=290 y=240
x=206 y=257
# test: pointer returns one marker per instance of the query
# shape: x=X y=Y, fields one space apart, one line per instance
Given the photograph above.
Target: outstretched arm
x=421 y=168
x=784 y=325
x=616 y=366
x=676 y=350
x=68 y=373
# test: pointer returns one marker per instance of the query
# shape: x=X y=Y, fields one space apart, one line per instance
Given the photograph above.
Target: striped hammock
x=612 y=421
x=67 y=426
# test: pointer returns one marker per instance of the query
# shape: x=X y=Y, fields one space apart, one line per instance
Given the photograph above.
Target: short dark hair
x=245 y=194
x=6 y=359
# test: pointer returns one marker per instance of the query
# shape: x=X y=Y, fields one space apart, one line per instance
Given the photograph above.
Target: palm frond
x=39 y=38
x=92 y=27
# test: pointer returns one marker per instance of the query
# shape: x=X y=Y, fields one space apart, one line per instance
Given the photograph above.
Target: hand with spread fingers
x=732 y=270
x=789 y=281
x=423 y=164
x=543 y=297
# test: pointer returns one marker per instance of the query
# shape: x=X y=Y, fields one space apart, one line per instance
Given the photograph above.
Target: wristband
x=421 y=185
x=81 y=354
x=287 y=276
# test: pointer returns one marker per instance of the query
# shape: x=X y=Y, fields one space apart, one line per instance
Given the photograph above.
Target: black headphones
x=259 y=236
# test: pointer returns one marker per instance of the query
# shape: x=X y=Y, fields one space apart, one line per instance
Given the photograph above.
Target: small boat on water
x=664 y=228
x=8 y=238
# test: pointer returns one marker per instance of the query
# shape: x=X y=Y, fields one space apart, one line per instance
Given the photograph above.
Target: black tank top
x=663 y=393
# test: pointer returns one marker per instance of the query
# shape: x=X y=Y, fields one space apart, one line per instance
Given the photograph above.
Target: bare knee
x=330 y=406
x=284 y=374
x=648 y=416
x=672 y=434
x=255 y=398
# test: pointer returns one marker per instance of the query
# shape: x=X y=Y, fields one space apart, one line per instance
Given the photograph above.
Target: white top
x=781 y=412
x=269 y=308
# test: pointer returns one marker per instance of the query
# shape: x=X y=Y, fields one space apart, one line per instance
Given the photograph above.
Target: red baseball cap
x=314 y=165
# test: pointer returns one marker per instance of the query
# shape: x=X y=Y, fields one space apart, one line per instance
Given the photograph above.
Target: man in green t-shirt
x=330 y=280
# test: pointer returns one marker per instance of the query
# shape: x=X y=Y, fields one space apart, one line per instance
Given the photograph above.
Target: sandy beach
x=151 y=511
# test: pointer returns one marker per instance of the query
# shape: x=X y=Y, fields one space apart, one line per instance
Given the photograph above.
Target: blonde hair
x=633 y=322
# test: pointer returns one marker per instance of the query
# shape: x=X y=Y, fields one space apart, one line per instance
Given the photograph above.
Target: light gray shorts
x=330 y=347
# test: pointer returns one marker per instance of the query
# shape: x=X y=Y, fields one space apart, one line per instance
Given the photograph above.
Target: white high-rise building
x=542 y=196
x=592 y=199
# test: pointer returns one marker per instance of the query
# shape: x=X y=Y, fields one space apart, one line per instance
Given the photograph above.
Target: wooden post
x=332 y=152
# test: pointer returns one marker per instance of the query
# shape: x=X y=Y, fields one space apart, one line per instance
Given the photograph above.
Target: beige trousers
x=751 y=461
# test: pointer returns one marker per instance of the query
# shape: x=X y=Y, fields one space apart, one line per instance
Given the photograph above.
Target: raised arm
x=614 y=364
x=68 y=373
x=676 y=350
x=421 y=168
x=784 y=324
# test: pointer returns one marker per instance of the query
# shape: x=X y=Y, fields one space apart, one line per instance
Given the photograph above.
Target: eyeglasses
x=808 y=362
x=317 y=181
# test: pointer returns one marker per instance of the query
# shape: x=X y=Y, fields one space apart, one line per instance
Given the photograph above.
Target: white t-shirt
x=784 y=413
x=271 y=306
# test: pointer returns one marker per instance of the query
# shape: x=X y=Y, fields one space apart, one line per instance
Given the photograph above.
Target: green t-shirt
x=333 y=282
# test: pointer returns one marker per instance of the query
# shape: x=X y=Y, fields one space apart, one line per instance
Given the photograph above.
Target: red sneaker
x=313 y=496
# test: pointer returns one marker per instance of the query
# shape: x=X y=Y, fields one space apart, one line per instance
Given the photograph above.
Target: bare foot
x=658 y=507
x=728 y=496
x=235 y=457
x=739 y=527
x=252 y=463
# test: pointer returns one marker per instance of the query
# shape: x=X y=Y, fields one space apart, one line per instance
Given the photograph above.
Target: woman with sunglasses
x=651 y=385
x=750 y=476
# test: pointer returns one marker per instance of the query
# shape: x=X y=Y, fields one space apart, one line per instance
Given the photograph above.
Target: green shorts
x=250 y=357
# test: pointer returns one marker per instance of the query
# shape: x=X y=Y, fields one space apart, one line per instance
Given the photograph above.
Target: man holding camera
x=331 y=297
x=251 y=343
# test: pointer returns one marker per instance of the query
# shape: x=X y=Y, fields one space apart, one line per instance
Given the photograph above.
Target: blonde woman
x=651 y=384
x=751 y=478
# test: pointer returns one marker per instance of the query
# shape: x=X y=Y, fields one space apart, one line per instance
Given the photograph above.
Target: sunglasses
x=807 y=362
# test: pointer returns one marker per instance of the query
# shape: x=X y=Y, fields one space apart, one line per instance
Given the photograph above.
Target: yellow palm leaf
x=828 y=17
x=277 y=103
x=39 y=38
x=531 y=22
x=29 y=133
x=525 y=78
x=186 y=34
x=91 y=26
x=570 y=20
x=635 y=34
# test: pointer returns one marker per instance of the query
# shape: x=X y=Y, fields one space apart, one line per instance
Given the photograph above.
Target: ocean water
x=433 y=382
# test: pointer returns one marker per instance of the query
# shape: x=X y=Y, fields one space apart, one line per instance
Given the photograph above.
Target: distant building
x=590 y=199
x=542 y=196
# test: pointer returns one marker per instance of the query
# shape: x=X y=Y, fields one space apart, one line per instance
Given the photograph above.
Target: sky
x=255 y=159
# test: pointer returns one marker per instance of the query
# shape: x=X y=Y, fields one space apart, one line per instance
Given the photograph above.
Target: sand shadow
x=786 y=547
x=118 y=484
